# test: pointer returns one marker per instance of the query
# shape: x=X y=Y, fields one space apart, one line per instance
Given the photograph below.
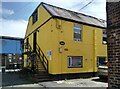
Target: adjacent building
x=64 y=41
x=11 y=52
x=113 y=31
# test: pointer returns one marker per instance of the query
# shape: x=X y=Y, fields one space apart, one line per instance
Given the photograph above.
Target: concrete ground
x=88 y=82
x=13 y=80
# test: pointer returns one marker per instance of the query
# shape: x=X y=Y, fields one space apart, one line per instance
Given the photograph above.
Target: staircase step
x=40 y=65
x=40 y=70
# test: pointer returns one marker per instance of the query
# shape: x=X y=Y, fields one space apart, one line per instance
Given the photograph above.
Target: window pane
x=104 y=36
x=77 y=27
x=77 y=36
x=101 y=60
x=35 y=16
x=75 y=61
x=77 y=33
x=105 y=39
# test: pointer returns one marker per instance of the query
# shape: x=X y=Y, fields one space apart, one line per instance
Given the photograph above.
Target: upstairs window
x=35 y=16
x=104 y=40
x=77 y=33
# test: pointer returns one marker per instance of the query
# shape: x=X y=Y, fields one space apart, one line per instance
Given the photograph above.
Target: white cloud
x=6 y=11
x=97 y=8
x=14 y=28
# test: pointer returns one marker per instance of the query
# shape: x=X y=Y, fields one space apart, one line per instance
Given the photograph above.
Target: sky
x=14 y=14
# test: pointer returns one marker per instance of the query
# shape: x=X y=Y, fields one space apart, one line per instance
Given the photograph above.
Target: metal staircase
x=40 y=64
x=42 y=60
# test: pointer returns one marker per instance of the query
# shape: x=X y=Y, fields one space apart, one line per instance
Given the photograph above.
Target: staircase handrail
x=42 y=57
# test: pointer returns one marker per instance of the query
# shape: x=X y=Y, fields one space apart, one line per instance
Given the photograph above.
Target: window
x=101 y=61
x=9 y=56
x=77 y=33
x=74 y=61
x=104 y=37
x=35 y=16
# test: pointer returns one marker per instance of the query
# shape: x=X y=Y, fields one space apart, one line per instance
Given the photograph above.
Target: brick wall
x=113 y=13
x=113 y=32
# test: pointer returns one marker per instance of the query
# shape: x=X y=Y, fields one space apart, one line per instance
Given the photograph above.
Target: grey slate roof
x=75 y=16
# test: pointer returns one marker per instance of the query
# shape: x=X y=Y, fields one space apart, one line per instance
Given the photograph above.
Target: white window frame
x=78 y=27
x=70 y=62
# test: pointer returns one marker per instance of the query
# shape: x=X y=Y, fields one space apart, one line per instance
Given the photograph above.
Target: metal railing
x=39 y=53
x=42 y=57
x=28 y=47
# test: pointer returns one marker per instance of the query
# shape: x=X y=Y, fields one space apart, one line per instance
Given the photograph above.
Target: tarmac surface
x=13 y=80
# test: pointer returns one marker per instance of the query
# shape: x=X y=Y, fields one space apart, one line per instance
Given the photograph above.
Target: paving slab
x=13 y=80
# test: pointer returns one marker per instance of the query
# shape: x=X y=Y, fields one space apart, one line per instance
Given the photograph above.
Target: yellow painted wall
x=25 y=60
x=31 y=27
x=43 y=15
x=100 y=48
x=85 y=48
x=49 y=37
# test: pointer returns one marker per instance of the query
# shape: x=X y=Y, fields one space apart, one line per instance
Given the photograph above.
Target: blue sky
x=21 y=10
x=15 y=13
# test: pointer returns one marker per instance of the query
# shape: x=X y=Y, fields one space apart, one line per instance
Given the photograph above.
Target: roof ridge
x=73 y=11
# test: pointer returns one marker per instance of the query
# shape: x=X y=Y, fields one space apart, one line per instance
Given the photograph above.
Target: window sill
x=76 y=67
x=78 y=40
x=104 y=42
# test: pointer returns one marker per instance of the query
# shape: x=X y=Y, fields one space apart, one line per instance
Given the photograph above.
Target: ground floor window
x=75 y=61
x=101 y=61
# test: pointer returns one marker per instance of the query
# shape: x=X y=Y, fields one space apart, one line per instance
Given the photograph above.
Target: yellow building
x=61 y=41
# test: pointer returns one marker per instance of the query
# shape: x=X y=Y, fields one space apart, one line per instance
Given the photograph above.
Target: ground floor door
x=34 y=41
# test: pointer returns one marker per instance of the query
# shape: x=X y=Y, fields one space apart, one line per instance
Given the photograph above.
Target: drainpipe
x=94 y=51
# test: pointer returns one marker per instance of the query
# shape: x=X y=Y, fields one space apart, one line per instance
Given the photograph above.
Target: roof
x=74 y=16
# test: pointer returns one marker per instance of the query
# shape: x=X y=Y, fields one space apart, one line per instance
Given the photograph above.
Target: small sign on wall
x=49 y=53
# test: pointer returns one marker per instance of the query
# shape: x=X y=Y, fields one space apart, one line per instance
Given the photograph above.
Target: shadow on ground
x=13 y=78
x=105 y=80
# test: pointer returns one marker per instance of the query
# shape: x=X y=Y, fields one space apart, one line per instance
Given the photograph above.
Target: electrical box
x=58 y=24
